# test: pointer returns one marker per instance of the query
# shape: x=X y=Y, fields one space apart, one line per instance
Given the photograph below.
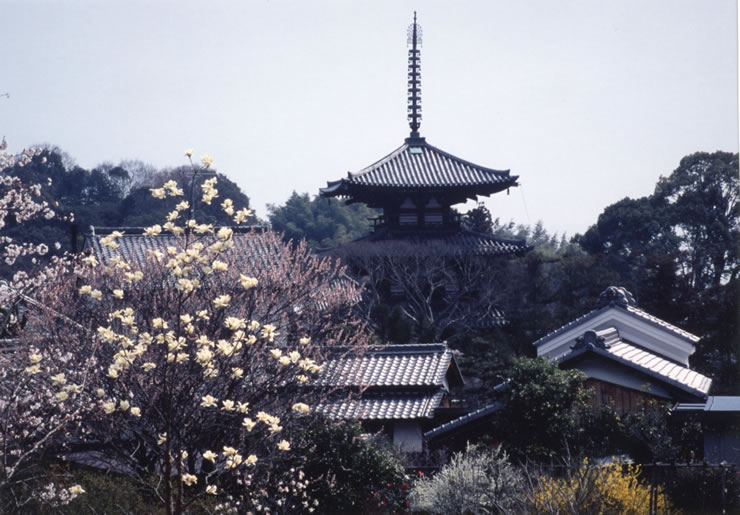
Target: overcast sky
x=586 y=101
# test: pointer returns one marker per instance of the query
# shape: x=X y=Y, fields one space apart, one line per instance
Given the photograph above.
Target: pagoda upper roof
x=418 y=165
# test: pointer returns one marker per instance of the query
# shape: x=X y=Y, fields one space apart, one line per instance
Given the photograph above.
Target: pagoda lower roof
x=386 y=242
x=418 y=165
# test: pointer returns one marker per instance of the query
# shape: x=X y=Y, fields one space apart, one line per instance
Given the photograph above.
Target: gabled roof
x=394 y=366
x=609 y=345
x=617 y=308
x=633 y=310
x=417 y=164
x=433 y=243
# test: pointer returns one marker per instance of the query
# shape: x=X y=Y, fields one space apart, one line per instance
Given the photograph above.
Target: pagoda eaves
x=418 y=166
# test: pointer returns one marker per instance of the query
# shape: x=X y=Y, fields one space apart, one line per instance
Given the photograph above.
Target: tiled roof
x=462 y=421
x=421 y=165
x=387 y=406
x=646 y=362
x=415 y=365
x=633 y=310
x=449 y=243
x=662 y=323
x=134 y=245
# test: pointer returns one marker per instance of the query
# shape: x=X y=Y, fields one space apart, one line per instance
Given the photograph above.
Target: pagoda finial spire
x=414 y=91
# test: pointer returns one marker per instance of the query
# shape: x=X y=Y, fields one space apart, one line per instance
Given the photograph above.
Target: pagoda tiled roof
x=417 y=164
x=384 y=242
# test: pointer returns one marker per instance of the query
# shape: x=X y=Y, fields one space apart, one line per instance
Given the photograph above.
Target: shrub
x=477 y=481
x=590 y=488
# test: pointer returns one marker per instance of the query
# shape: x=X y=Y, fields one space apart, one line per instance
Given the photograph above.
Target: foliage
x=592 y=488
x=184 y=368
x=544 y=409
x=479 y=480
x=479 y=220
x=107 y=195
x=348 y=473
x=321 y=222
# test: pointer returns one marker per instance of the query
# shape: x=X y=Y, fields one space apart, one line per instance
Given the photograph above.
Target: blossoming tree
x=182 y=365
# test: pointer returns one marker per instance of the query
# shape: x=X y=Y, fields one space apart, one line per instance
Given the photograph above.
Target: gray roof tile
x=426 y=167
x=386 y=406
x=415 y=365
x=639 y=359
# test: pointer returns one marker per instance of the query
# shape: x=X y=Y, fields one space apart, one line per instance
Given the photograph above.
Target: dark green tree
x=478 y=220
x=544 y=410
x=321 y=222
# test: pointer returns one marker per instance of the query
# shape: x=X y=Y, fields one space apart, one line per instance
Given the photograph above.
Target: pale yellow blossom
x=162 y=438
x=212 y=489
x=225 y=233
x=62 y=396
x=227 y=405
x=59 y=378
x=305 y=340
x=247 y=282
x=124 y=405
x=283 y=445
x=248 y=423
x=157 y=192
x=300 y=407
x=76 y=490
x=136 y=411
x=209 y=401
x=109 y=407
x=189 y=479
x=118 y=293
x=154 y=230
x=206 y=160
x=222 y=301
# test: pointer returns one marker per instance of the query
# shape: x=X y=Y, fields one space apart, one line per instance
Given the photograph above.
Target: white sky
x=587 y=101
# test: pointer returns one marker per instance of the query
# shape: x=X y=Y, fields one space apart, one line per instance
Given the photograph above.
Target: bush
x=590 y=488
x=347 y=473
x=477 y=481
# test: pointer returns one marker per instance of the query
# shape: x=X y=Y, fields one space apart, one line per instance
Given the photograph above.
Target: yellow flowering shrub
x=592 y=488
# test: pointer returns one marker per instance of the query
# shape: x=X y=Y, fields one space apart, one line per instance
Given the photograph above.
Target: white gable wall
x=631 y=328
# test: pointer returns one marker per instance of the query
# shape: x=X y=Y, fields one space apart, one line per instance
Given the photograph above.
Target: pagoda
x=417 y=184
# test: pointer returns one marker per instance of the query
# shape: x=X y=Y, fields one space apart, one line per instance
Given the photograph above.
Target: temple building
x=417 y=184
x=418 y=257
